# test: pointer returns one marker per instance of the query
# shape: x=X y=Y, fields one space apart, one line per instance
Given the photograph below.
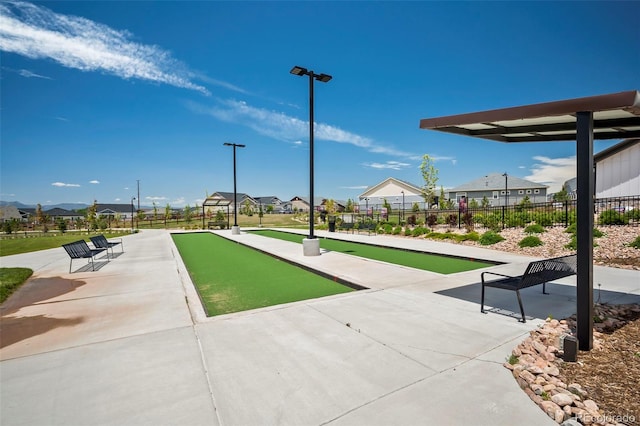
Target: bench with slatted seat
x=538 y=272
x=101 y=242
x=81 y=250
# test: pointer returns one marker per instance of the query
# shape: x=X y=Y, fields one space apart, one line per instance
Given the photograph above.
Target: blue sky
x=98 y=95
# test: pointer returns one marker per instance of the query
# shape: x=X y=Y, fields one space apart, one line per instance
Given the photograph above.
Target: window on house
x=521 y=191
x=528 y=191
x=496 y=195
x=536 y=191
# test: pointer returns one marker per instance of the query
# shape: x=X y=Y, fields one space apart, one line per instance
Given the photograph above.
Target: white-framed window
x=496 y=195
x=502 y=193
x=520 y=191
x=528 y=191
x=536 y=191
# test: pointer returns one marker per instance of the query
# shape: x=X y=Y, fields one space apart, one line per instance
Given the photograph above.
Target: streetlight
x=506 y=192
x=310 y=246
x=235 y=229
x=402 y=205
x=366 y=204
x=132 y=200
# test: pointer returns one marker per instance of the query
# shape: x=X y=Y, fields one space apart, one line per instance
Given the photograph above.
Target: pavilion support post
x=584 y=223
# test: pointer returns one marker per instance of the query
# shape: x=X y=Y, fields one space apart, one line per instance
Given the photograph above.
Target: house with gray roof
x=499 y=190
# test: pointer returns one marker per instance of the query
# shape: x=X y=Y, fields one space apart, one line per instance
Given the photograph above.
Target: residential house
x=499 y=189
x=270 y=203
x=394 y=191
x=224 y=200
x=301 y=204
x=618 y=170
x=125 y=211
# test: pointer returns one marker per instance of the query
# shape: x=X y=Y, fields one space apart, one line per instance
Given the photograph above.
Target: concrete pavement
x=129 y=344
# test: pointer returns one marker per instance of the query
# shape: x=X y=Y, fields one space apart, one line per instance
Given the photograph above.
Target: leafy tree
x=349 y=207
x=246 y=208
x=330 y=206
x=442 y=201
x=485 y=202
x=39 y=215
x=386 y=204
x=561 y=195
x=187 y=213
x=167 y=213
x=415 y=208
x=91 y=216
x=155 y=211
x=61 y=224
x=269 y=209
x=430 y=177
x=473 y=204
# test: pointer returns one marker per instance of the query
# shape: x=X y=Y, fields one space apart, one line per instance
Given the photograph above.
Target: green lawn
x=231 y=277
x=18 y=243
x=11 y=279
x=425 y=261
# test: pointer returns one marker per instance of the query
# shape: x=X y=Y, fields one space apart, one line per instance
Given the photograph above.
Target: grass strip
x=19 y=244
x=11 y=279
x=231 y=277
x=419 y=260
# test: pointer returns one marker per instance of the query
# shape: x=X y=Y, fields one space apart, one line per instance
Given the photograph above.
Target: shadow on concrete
x=35 y=291
x=559 y=303
x=97 y=265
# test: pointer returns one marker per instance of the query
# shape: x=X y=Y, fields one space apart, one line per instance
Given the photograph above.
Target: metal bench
x=81 y=250
x=217 y=224
x=101 y=242
x=538 y=272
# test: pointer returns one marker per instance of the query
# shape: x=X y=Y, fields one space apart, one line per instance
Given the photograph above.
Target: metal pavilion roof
x=615 y=116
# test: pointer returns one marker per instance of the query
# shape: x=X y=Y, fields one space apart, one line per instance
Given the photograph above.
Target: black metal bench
x=217 y=224
x=538 y=272
x=101 y=242
x=346 y=226
x=81 y=250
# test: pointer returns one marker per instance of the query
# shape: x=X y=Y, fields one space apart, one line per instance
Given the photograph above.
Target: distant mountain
x=66 y=206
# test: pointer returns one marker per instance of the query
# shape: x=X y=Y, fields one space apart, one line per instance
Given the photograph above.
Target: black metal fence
x=608 y=211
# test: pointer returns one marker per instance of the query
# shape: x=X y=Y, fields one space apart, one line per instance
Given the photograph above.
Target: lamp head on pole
x=299 y=71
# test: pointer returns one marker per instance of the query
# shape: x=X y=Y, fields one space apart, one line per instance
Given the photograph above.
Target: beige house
x=396 y=192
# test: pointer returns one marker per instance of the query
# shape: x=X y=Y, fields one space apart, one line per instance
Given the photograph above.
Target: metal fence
x=608 y=211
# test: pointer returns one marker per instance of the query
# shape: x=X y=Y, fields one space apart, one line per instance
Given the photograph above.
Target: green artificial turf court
x=231 y=277
x=419 y=260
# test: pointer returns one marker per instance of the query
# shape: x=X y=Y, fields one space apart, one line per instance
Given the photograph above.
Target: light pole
x=132 y=200
x=235 y=229
x=310 y=246
x=506 y=191
x=366 y=205
x=402 y=205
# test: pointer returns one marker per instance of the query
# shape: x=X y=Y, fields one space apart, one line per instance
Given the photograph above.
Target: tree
x=349 y=207
x=330 y=206
x=562 y=195
x=387 y=206
x=155 y=211
x=485 y=202
x=430 y=177
x=415 y=208
x=167 y=213
x=442 y=201
x=91 y=216
x=39 y=215
x=187 y=213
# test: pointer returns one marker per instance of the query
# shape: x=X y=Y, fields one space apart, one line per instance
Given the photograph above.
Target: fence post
x=566 y=213
x=503 y=209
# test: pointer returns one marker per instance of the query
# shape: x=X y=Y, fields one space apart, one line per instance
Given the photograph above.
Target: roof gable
x=390 y=184
x=495 y=182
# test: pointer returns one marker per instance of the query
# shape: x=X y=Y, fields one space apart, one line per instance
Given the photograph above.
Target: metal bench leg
x=70 y=263
x=544 y=287
x=482 y=301
x=521 y=308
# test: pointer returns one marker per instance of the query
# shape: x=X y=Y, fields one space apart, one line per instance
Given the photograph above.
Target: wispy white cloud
x=355 y=187
x=393 y=165
x=65 y=185
x=29 y=74
x=94 y=182
x=552 y=171
x=284 y=127
x=155 y=198
x=75 y=42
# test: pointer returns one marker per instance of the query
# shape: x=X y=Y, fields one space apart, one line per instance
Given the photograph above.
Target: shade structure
x=610 y=116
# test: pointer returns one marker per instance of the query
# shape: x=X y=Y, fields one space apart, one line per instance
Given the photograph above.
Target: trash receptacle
x=332 y=224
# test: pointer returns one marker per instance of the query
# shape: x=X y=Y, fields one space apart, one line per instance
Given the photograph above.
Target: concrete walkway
x=129 y=344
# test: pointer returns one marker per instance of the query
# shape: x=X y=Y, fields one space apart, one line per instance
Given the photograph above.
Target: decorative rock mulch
x=534 y=364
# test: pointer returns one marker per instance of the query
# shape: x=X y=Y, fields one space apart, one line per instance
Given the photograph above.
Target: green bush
x=530 y=241
x=632 y=214
x=469 y=236
x=543 y=219
x=408 y=232
x=571 y=229
x=419 y=230
x=635 y=243
x=534 y=229
x=397 y=230
x=490 y=237
x=612 y=217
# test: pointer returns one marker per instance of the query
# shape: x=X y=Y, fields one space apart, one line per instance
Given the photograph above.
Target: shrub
x=635 y=243
x=530 y=241
x=612 y=217
x=534 y=229
x=397 y=230
x=408 y=232
x=490 y=237
x=467 y=219
x=411 y=220
x=632 y=214
x=419 y=231
x=432 y=219
x=571 y=229
x=469 y=236
x=387 y=228
x=452 y=220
